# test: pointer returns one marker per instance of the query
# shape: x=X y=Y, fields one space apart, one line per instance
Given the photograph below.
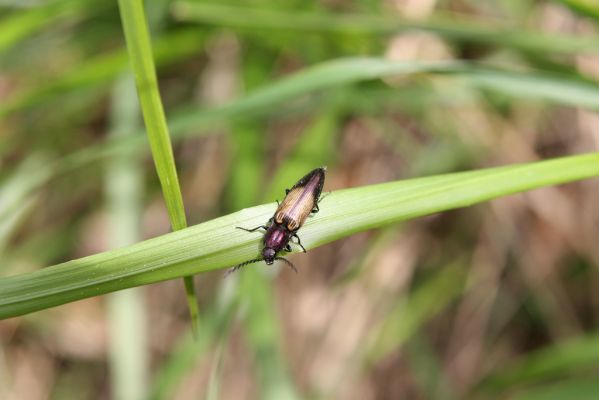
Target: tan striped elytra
x=300 y=200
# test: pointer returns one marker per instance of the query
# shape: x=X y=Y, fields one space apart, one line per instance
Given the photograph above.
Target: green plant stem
x=217 y=244
x=142 y=62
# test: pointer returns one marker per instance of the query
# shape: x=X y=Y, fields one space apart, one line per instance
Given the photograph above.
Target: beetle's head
x=269 y=255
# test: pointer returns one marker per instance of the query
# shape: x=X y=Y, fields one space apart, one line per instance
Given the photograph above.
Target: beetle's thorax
x=276 y=238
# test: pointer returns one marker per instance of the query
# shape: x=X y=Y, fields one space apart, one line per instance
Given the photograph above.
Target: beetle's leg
x=265 y=227
x=316 y=209
x=253 y=229
x=322 y=196
x=299 y=242
x=288 y=248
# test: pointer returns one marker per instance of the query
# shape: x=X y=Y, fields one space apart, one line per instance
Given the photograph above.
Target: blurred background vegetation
x=494 y=301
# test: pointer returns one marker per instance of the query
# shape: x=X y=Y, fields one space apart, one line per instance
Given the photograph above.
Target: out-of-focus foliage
x=493 y=301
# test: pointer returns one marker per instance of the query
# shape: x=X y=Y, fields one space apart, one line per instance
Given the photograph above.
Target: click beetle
x=300 y=201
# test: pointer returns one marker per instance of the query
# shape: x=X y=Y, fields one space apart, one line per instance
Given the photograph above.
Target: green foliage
x=217 y=244
x=310 y=83
x=142 y=64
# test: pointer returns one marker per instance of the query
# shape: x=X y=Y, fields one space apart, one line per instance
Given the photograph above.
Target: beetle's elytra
x=300 y=201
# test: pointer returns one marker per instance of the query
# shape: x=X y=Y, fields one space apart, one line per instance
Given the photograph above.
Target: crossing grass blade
x=142 y=62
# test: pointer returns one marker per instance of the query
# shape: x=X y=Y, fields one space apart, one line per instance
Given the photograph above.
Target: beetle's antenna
x=286 y=261
x=243 y=264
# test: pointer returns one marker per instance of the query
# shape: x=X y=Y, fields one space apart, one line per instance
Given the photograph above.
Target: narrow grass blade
x=125 y=310
x=216 y=323
x=217 y=244
x=406 y=318
x=558 y=89
x=543 y=365
x=457 y=27
x=263 y=334
x=15 y=202
x=142 y=61
x=99 y=70
x=312 y=150
x=588 y=8
x=571 y=389
x=20 y=25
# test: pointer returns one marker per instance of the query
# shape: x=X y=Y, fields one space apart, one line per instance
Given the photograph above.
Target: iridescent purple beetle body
x=300 y=201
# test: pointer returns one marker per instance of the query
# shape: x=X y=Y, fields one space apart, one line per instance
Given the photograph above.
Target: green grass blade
x=407 y=317
x=554 y=88
x=456 y=27
x=314 y=148
x=142 y=62
x=263 y=335
x=215 y=379
x=100 y=69
x=558 y=360
x=588 y=8
x=559 y=89
x=125 y=309
x=253 y=291
x=20 y=25
x=428 y=369
x=189 y=350
x=571 y=389
x=217 y=244
x=15 y=201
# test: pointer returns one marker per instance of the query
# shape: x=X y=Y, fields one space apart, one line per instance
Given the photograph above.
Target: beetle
x=300 y=201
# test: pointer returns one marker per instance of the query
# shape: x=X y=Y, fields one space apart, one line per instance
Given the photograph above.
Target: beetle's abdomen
x=295 y=208
x=301 y=199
